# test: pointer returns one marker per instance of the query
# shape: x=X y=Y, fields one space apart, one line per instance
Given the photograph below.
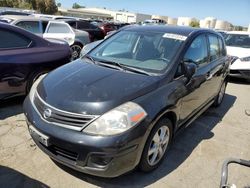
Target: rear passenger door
x=217 y=59
x=198 y=89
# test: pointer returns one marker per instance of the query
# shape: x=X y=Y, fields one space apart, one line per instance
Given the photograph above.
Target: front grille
x=63 y=153
x=59 y=117
x=234 y=72
x=60 y=152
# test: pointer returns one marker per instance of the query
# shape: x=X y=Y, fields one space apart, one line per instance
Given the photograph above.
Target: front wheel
x=156 y=145
x=75 y=51
x=221 y=94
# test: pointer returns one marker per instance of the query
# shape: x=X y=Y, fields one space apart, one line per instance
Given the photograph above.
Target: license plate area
x=39 y=136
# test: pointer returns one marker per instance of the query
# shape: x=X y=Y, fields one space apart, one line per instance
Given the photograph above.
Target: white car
x=238 y=48
x=51 y=29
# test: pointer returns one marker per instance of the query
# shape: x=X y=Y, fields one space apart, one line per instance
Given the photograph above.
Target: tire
x=221 y=94
x=153 y=152
x=32 y=78
x=75 y=51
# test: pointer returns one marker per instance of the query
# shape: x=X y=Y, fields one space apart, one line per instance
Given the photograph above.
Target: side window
x=44 y=25
x=58 y=28
x=197 y=51
x=72 y=24
x=83 y=25
x=222 y=48
x=11 y=39
x=31 y=26
x=214 y=47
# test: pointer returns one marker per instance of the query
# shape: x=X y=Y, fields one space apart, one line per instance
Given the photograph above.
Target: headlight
x=117 y=120
x=245 y=59
x=34 y=86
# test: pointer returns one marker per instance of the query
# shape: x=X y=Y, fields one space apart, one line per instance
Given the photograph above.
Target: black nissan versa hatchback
x=119 y=106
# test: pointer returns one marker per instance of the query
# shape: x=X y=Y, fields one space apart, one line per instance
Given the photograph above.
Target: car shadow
x=239 y=81
x=12 y=178
x=11 y=107
x=182 y=147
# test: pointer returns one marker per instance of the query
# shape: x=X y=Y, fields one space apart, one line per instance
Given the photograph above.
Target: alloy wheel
x=158 y=145
x=76 y=50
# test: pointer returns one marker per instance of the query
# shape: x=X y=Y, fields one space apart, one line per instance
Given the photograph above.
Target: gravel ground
x=194 y=160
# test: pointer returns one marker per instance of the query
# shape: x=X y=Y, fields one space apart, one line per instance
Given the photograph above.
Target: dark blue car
x=24 y=57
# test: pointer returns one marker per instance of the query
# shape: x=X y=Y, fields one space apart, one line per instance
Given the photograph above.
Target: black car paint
x=18 y=65
x=167 y=95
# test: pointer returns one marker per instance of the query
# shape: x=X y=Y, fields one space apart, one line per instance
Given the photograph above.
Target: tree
x=194 y=24
x=76 y=6
x=51 y=7
x=59 y=4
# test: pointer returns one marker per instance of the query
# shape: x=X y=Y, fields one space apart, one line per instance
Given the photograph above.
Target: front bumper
x=240 y=74
x=101 y=156
x=240 y=69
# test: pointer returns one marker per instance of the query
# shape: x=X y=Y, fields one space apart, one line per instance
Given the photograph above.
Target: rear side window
x=197 y=51
x=58 y=28
x=44 y=25
x=31 y=26
x=72 y=24
x=214 y=47
x=84 y=25
x=11 y=39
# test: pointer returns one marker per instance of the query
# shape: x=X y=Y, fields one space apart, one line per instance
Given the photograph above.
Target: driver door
x=198 y=88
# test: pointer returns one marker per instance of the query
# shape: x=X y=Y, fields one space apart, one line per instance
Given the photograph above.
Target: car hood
x=238 y=51
x=86 y=88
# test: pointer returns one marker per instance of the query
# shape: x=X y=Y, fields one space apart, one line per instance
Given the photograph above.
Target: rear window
x=58 y=28
x=13 y=40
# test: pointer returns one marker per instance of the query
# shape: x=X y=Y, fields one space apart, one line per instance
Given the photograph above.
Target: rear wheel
x=220 y=95
x=75 y=51
x=156 y=145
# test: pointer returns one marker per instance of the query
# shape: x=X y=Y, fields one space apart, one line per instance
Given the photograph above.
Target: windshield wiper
x=124 y=67
x=133 y=69
x=89 y=58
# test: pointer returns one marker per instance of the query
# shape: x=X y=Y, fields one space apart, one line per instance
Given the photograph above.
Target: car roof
x=181 y=30
x=25 y=18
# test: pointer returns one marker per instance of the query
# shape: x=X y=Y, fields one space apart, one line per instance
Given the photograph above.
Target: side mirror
x=189 y=69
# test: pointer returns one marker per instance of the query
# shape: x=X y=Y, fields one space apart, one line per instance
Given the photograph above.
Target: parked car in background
x=107 y=27
x=238 y=48
x=53 y=17
x=95 y=33
x=24 y=57
x=47 y=28
x=123 y=102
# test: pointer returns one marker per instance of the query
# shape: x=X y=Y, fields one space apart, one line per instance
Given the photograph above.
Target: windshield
x=238 y=40
x=149 y=51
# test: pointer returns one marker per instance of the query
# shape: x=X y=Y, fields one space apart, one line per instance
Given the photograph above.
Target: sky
x=236 y=12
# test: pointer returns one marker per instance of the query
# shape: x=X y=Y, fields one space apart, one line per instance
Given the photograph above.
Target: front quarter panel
x=166 y=98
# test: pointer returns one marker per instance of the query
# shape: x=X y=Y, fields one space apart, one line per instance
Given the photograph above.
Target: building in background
x=213 y=23
x=105 y=14
x=172 y=21
x=185 y=21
